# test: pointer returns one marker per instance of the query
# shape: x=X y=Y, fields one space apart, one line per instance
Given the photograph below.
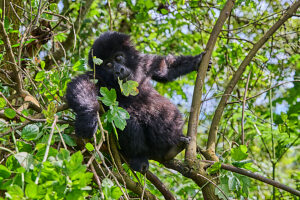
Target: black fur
x=154 y=130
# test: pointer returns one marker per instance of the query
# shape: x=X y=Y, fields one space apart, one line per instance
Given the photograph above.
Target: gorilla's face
x=116 y=65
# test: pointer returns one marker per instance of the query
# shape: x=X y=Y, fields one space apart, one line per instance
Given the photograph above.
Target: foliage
x=271 y=124
x=115 y=114
x=61 y=176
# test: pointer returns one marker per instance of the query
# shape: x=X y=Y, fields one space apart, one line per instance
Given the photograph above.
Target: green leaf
x=110 y=190
x=97 y=61
x=12 y=163
x=30 y=40
x=15 y=45
x=233 y=183
x=31 y=190
x=129 y=88
x=75 y=195
x=118 y=116
x=74 y=167
x=63 y=154
x=50 y=112
x=79 y=65
x=21 y=170
x=149 y=4
x=43 y=64
x=22 y=146
x=239 y=153
x=89 y=146
x=40 y=76
x=60 y=37
x=54 y=7
x=4 y=172
x=2 y=103
x=25 y=112
x=214 y=168
x=31 y=132
x=15 y=192
x=241 y=163
x=284 y=116
x=10 y=113
x=164 y=11
x=109 y=97
x=77 y=157
x=68 y=140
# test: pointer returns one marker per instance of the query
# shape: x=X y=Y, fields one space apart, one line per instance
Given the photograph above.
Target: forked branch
x=211 y=143
x=195 y=108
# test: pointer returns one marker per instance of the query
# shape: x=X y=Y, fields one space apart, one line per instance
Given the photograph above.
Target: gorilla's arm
x=168 y=68
x=82 y=98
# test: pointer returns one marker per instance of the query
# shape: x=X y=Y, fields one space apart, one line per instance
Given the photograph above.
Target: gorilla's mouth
x=123 y=77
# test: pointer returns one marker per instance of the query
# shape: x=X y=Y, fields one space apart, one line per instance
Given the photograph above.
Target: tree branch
x=160 y=186
x=211 y=143
x=71 y=39
x=195 y=108
x=123 y=176
x=13 y=63
x=199 y=176
x=257 y=177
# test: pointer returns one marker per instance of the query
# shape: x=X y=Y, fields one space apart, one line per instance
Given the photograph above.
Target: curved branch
x=160 y=186
x=211 y=143
x=195 y=108
x=257 y=177
x=124 y=177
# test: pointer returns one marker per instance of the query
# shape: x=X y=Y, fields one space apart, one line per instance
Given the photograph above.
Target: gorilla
x=154 y=130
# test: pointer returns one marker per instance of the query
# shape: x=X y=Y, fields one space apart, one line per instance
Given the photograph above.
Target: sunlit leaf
x=10 y=113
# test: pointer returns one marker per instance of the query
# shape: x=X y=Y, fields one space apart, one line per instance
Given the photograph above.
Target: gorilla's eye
x=119 y=58
x=109 y=64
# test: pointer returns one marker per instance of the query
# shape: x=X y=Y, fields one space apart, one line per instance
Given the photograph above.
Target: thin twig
x=61 y=137
x=15 y=12
x=36 y=19
x=97 y=181
x=292 y=144
x=144 y=187
x=243 y=109
x=263 y=141
x=101 y=127
x=112 y=174
x=19 y=113
x=110 y=16
x=47 y=148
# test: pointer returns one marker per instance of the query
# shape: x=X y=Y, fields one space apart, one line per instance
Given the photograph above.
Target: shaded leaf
x=4 y=172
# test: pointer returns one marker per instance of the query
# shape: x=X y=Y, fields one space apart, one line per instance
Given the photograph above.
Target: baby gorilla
x=154 y=130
